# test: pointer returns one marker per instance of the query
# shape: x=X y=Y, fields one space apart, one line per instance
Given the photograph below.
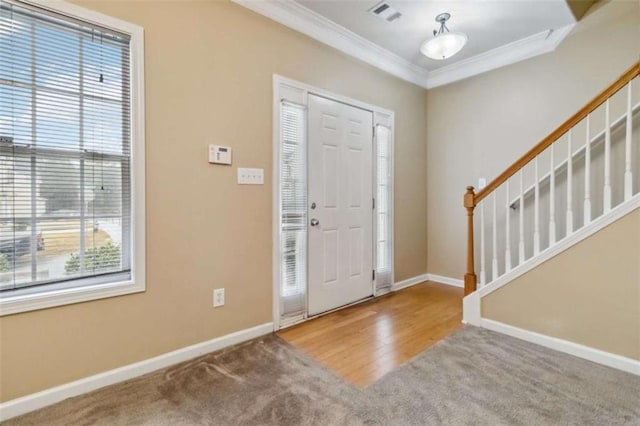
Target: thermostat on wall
x=219 y=154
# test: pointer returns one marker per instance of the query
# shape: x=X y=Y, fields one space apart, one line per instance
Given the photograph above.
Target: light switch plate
x=248 y=176
x=482 y=182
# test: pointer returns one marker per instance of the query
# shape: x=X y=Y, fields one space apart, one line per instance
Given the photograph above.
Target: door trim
x=297 y=92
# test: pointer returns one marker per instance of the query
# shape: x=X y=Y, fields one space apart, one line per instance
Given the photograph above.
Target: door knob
x=315 y=222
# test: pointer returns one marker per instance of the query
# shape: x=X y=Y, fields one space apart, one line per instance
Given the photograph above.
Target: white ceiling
x=501 y=32
x=489 y=24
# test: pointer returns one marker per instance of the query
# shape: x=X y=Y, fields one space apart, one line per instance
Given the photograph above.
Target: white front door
x=340 y=204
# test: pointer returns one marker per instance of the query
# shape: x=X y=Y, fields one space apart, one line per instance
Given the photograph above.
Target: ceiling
x=488 y=23
x=501 y=32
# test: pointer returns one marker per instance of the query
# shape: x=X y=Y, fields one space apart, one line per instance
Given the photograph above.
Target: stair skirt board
x=606 y=219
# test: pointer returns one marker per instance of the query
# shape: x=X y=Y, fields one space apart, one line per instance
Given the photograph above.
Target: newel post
x=470 y=279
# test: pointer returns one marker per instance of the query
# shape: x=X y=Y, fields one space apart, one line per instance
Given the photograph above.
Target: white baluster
x=569 y=186
x=507 y=253
x=607 y=159
x=552 y=198
x=521 y=209
x=536 y=210
x=587 y=174
x=483 y=273
x=627 y=149
x=494 y=261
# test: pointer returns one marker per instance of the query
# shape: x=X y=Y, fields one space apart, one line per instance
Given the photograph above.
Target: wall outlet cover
x=218 y=297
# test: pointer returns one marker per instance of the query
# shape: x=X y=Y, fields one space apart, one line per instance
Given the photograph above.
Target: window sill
x=49 y=299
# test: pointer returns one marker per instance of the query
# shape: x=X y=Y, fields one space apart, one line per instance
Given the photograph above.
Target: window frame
x=62 y=293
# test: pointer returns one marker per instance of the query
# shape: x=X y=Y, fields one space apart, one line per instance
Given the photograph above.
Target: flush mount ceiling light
x=444 y=43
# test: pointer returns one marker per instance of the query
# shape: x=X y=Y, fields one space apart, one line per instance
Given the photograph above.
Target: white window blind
x=65 y=151
x=383 y=209
x=293 y=218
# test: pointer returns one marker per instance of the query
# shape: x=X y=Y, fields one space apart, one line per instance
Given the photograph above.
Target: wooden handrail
x=629 y=75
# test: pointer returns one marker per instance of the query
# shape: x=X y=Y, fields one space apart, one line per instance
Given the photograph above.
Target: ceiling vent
x=385 y=11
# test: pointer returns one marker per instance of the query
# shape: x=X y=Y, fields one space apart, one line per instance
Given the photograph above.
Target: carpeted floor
x=472 y=377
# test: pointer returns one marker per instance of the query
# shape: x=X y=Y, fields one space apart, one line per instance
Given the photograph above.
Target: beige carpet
x=472 y=377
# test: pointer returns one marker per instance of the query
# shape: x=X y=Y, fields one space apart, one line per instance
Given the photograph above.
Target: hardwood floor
x=364 y=342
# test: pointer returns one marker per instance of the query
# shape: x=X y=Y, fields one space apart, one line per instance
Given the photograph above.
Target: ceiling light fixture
x=444 y=43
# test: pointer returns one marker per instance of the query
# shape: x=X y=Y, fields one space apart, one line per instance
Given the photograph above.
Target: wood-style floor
x=362 y=343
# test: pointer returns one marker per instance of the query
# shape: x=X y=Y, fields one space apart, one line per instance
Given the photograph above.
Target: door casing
x=297 y=92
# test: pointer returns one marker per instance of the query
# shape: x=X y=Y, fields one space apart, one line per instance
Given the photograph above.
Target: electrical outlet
x=218 y=297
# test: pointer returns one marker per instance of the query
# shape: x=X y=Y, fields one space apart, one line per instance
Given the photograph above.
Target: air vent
x=385 y=11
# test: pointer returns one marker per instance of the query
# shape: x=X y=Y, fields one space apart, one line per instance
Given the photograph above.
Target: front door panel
x=340 y=204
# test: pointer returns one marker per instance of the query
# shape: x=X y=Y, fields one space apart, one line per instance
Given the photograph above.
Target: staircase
x=582 y=177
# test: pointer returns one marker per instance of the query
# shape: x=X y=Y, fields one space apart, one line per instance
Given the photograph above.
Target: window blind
x=293 y=207
x=65 y=154
x=383 y=208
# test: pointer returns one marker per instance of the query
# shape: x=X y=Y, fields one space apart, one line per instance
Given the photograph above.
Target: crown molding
x=519 y=50
x=302 y=19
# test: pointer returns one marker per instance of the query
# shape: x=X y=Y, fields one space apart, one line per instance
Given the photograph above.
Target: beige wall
x=589 y=294
x=479 y=126
x=209 y=67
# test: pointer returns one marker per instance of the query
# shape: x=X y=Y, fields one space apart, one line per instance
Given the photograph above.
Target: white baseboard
x=446 y=280
x=585 y=352
x=409 y=282
x=427 y=277
x=51 y=396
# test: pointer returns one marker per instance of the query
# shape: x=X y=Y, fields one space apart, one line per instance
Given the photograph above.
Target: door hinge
x=373 y=275
x=374 y=203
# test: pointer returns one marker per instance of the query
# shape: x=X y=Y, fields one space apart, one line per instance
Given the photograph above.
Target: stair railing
x=473 y=200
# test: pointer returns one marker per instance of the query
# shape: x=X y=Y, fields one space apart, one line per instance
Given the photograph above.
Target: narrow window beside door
x=293 y=220
x=384 y=225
